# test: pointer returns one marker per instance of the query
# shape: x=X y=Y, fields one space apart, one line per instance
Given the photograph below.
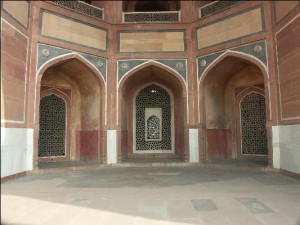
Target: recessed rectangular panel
x=288 y=48
x=68 y=29
x=282 y=8
x=152 y=41
x=18 y=9
x=230 y=28
x=13 y=73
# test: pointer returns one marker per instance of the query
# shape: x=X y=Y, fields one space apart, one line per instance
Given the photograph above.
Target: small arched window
x=153 y=127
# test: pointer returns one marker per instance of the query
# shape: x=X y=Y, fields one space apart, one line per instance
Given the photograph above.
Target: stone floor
x=160 y=195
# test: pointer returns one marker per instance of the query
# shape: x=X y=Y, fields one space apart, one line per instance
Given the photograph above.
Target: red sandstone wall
x=288 y=56
x=288 y=67
x=13 y=73
x=87 y=145
x=218 y=143
x=285 y=137
x=16 y=130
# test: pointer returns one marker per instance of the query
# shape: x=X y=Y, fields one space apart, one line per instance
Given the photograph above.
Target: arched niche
x=76 y=79
x=129 y=88
x=220 y=88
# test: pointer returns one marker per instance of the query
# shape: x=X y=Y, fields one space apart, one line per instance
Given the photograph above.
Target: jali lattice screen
x=52 y=127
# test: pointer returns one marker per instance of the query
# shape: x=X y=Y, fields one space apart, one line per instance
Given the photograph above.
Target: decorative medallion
x=100 y=64
x=203 y=63
x=45 y=52
x=257 y=49
x=124 y=66
x=179 y=66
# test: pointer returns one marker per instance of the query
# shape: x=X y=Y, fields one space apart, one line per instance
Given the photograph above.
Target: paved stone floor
x=161 y=195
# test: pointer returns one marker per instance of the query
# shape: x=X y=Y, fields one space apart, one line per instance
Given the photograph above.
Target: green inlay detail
x=179 y=65
x=55 y=52
x=247 y=49
x=126 y=65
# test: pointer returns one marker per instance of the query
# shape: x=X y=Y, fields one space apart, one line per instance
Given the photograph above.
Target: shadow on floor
x=239 y=162
x=67 y=164
x=235 y=164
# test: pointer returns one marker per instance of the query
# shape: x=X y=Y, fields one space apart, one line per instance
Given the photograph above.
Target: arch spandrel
x=49 y=55
x=255 y=52
x=178 y=67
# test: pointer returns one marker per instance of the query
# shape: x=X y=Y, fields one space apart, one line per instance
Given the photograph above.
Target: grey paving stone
x=255 y=205
x=204 y=205
x=111 y=195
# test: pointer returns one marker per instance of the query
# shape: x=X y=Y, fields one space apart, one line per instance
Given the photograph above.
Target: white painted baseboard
x=111 y=146
x=16 y=150
x=194 y=146
x=286 y=147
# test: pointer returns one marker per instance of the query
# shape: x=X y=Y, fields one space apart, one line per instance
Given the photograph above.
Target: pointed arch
x=96 y=113
x=156 y=64
x=64 y=58
x=171 y=98
x=259 y=137
x=130 y=73
x=59 y=94
x=236 y=54
x=133 y=81
x=219 y=122
x=242 y=56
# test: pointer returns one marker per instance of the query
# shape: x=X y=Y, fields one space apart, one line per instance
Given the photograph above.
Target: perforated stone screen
x=218 y=6
x=81 y=7
x=151 y=17
x=153 y=96
x=253 y=125
x=52 y=127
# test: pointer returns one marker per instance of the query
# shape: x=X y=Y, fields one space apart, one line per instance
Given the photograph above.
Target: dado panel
x=286 y=145
x=70 y=30
x=239 y=25
x=152 y=41
x=16 y=150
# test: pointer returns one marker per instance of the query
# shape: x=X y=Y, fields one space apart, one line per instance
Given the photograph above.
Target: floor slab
x=152 y=195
